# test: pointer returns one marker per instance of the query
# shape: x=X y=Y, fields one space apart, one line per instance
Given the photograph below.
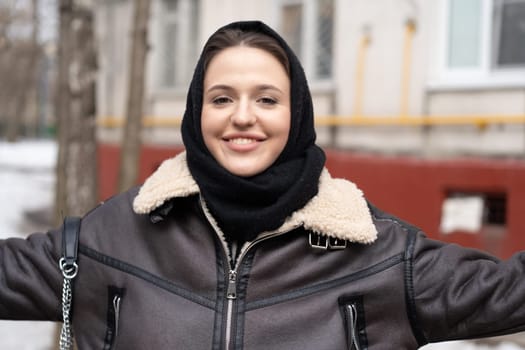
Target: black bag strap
x=68 y=266
x=70 y=233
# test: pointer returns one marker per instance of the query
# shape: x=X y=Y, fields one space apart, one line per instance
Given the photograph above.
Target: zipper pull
x=232 y=285
x=116 y=307
x=353 y=331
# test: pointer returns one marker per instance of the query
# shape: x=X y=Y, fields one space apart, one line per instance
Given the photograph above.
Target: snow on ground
x=27 y=178
x=465 y=345
x=27 y=183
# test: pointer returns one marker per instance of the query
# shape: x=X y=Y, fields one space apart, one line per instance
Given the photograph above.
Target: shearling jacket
x=155 y=273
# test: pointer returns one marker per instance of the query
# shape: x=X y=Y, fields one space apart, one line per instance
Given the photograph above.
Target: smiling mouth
x=242 y=141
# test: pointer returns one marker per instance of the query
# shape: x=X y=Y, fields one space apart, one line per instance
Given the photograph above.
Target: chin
x=245 y=166
x=244 y=171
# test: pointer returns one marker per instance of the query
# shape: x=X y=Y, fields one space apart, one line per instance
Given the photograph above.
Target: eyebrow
x=260 y=87
x=219 y=87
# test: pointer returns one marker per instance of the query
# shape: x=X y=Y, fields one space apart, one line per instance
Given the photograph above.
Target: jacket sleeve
x=459 y=293
x=30 y=279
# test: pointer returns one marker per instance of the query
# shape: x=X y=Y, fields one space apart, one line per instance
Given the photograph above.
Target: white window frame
x=308 y=40
x=484 y=76
x=186 y=49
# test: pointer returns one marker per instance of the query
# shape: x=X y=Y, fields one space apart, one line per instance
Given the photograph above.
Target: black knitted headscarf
x=247 y=206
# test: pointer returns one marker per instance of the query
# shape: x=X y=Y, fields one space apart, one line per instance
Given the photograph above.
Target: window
x=292 y=26
x=325 y=29
x=308 y=26
x=495 y=210
x=179 y=38
x=484 y=42
x=473 y=211
x=464 y=33
x=509 y=33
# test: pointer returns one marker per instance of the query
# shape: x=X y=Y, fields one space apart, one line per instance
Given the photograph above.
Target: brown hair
x=235 y=37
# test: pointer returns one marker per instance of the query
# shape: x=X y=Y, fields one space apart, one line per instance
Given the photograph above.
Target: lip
x=243 y=142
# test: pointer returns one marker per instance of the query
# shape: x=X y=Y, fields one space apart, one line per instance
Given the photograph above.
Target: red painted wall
x=408 y=187
x=414 y=189
x=109 y=161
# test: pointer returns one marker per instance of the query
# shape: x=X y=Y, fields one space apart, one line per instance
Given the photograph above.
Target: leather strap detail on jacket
x=409 y=289
x=318 y=241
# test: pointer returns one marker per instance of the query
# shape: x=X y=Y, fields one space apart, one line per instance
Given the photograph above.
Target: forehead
x=245 y=62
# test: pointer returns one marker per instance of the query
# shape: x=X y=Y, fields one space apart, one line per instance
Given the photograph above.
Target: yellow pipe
x=410 y=29
x=360 y=67
x=434 y=120
x=354 y=120
x=170 y=122
x=148 y=121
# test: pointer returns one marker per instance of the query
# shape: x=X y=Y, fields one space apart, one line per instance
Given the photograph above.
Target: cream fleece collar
x=339 y=210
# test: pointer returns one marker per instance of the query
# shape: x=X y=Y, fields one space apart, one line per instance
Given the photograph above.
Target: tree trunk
x=82 y=184
x=27 y=81
x=76 y=172
x=131 y=140
x=77 y=185
x=63 y=104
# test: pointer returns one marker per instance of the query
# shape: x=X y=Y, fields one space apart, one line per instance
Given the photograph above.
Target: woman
x=246 y=242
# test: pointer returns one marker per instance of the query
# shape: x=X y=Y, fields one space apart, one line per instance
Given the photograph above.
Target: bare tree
x=82 y=184
x=63 y=103
x=18 y=65
x=131 y=141
x=76 y=189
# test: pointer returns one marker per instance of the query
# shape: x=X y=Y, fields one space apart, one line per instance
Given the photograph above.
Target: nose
x=243 y=115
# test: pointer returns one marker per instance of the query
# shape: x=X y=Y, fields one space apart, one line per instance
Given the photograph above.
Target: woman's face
x=245 y=117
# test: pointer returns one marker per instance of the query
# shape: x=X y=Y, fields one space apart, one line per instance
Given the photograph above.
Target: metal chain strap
x=66 y=333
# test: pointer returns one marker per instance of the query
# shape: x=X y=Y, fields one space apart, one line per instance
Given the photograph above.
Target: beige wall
x=382 y=77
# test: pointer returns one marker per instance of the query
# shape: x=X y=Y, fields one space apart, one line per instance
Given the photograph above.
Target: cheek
x=209 y=119
x=208 y=128
x=284 y=128
x=213 y=120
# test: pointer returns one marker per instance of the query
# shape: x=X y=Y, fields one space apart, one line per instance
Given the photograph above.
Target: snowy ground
x=466 y=345
x=27 y=185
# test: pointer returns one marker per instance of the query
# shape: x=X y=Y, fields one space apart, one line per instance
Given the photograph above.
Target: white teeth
x=242 y=141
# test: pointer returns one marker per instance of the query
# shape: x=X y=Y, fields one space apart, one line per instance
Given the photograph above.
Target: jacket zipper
x=114 y=303
x=352 y=331
x=231 y=295
x=231 y=292
x=116 y=308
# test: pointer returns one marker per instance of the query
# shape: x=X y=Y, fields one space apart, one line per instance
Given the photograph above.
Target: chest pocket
x=353 y=315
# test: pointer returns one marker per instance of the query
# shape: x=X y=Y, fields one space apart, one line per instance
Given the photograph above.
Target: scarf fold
x=247 y=206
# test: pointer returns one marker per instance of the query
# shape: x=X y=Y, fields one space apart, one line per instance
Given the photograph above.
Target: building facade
x=399 y=87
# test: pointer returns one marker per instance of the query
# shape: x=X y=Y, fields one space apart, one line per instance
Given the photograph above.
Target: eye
x=267 y=100
x=221 y=100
